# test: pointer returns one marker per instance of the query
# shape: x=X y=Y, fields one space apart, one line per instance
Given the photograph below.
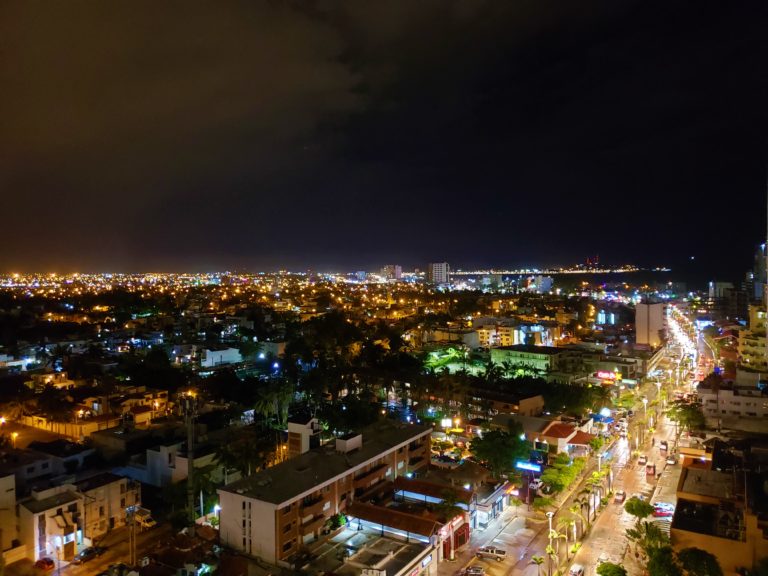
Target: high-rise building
x=649 y=323
x=438 y=273
x=759 y=274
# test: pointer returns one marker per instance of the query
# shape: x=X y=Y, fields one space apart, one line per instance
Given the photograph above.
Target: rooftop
x=55 y=501
x=710 y=483
x=97 y=481
x=306 y=472
x=546 y=350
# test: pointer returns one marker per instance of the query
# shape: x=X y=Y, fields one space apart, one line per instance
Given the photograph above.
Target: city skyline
x=336 y=136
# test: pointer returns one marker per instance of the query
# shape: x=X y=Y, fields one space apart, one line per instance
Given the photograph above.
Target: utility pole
x=188 y=403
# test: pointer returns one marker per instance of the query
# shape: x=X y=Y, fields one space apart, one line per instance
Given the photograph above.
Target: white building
x=649 y=324
x=48 y=522
x=105 y=499
x=10 y=529
x=438 y=273
x=218 y=357
x=169 y=463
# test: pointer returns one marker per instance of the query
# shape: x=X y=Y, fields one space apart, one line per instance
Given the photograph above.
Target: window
x=101 y=511
x=287 y=528
x=45 y=465
x=287 y=509
x=122 y=502
x=30 y=469
x=122 y=488
x=287 y=546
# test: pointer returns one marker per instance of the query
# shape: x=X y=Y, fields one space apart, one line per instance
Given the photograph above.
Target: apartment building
x=712 y=514
x=274 y=513
x=48 y=522
x=733 y=400
x=542 y=358
x=106 y=497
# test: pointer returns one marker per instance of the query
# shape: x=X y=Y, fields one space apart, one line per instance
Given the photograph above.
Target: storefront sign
x=527 y=466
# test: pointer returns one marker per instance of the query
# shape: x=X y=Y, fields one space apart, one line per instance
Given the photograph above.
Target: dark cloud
x=167 y=135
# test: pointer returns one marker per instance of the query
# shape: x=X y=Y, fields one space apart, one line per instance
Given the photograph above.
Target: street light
x=645 y=407
x=14 y=435
x=549 y=548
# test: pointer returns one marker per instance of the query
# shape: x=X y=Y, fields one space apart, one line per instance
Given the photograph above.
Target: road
x=524 y=534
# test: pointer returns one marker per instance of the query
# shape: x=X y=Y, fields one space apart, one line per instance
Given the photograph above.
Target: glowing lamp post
x=14 y=435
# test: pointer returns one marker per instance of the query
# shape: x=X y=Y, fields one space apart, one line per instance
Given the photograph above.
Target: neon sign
x=520 y=465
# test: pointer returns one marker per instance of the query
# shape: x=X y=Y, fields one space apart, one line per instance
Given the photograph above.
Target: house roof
x=581 y=438
x=432 y=489
x=559 y=430
x=394 y=519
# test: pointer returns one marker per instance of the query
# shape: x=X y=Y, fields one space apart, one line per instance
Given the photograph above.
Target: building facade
x=272 y=514
x=438 y=273
x=649 y=324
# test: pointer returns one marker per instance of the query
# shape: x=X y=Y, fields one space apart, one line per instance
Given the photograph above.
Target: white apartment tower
x=438 y=273
x=649 y=324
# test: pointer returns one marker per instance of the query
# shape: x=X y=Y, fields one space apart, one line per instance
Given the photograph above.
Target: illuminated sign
x=527 y=466
x=606 y=375
x=426 y=561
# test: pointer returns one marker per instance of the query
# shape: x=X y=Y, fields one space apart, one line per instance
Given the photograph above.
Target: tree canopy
x=500 y=450
x=698 y=562
x=611 y=569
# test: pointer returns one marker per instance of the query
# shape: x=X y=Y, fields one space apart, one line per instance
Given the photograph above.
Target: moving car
x=671 y=459
x=663 y=509
x=576 y=570
x=46 y=564
x=663 y=445
x=491 y=552
x=535 y=484
x=620 y=496
x=642 y=459
x=650 y=469
x=475 y=571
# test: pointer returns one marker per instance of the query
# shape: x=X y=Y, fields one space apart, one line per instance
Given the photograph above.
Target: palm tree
x=564 y=527
x=584 y=501
x=576 y=510
x=538 y=560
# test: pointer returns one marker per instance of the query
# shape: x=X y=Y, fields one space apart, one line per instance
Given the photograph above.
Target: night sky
x=138 y=136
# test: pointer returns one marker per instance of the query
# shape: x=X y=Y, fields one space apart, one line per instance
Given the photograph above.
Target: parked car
x=87 y=554
x=475 y=571
x=620 y=496
x=576 y=570
x=663 y=509
x=650 y=469
x=643 y=459
x=603 y=558
x=46 y=564
x=671 y=459
x=491 y=552
x=663 y=445
x=535 y=484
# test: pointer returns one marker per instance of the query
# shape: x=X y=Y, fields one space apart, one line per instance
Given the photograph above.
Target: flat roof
x=60 y=499
x=97 y=481
x=306 y=472
x=546 y=350
x=709 y=483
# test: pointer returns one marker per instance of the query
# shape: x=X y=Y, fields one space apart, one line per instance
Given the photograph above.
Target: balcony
x=313 y=507
x=366 y=478
x=417 y=450
x=313 y=525
x=416 y=461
